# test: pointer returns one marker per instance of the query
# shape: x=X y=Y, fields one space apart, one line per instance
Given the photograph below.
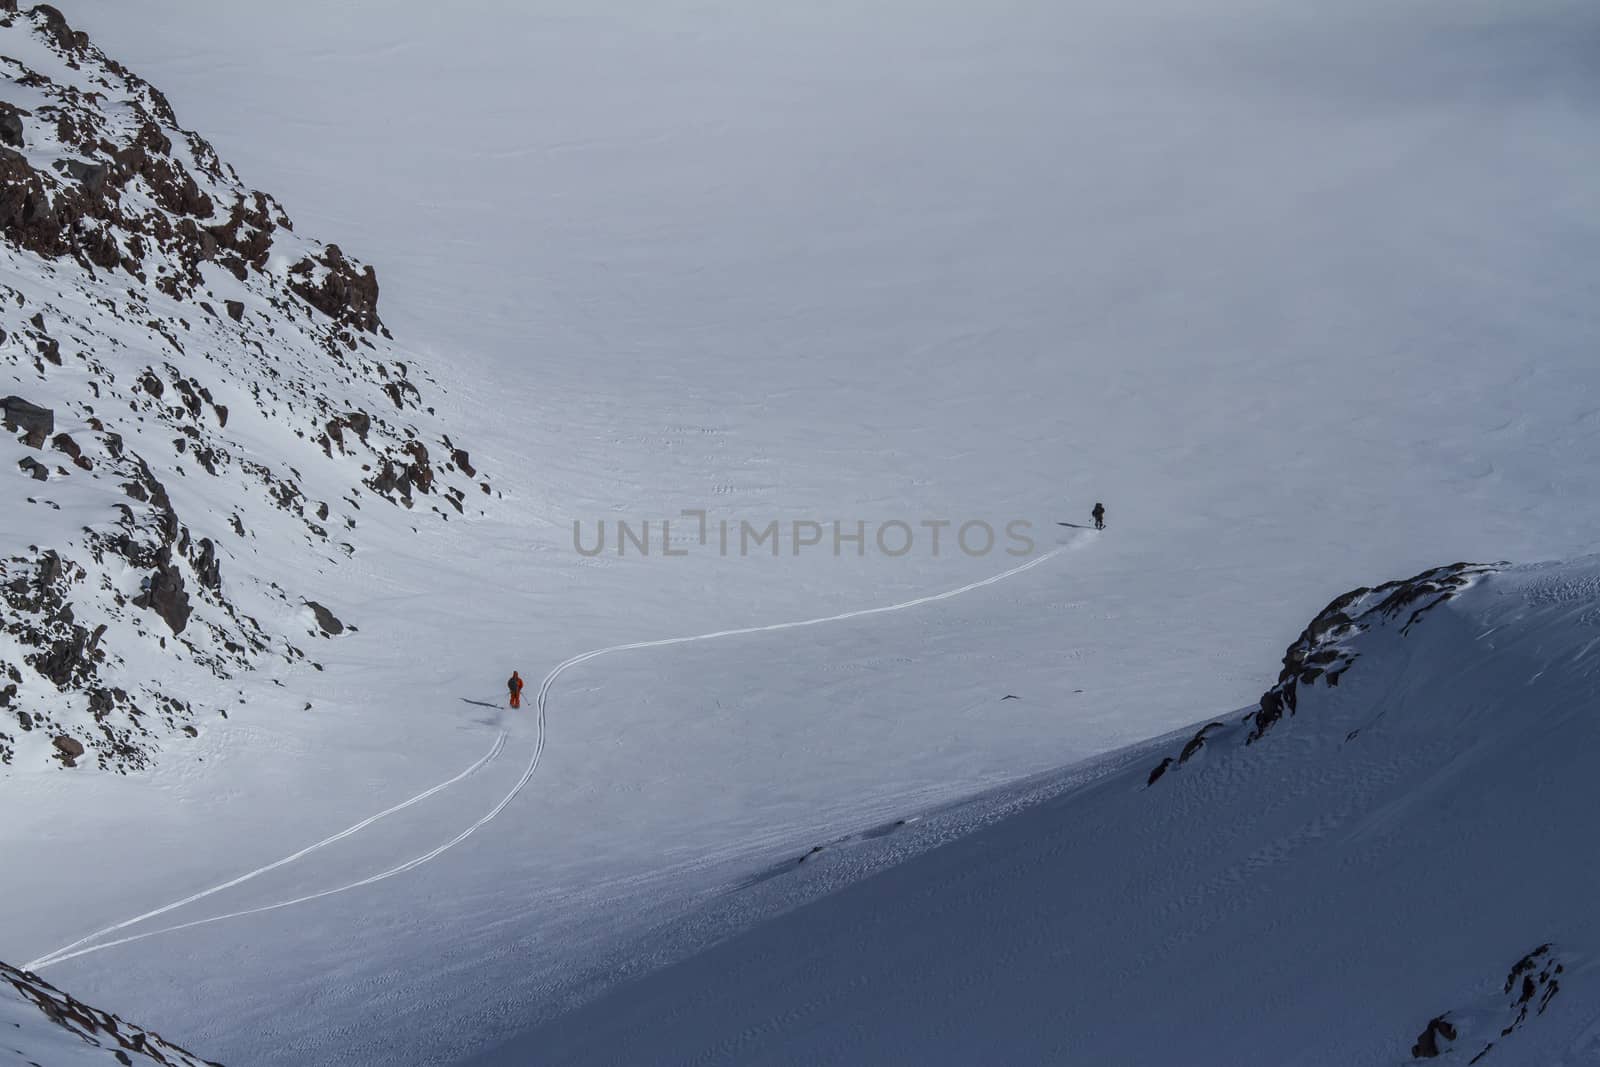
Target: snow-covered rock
x=199 y=404
x=1323 y=651
x=43 y=1026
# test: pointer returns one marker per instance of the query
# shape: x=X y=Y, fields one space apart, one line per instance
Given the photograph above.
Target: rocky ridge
x=1323 y=651
x=197 y=402
x=51 y=1028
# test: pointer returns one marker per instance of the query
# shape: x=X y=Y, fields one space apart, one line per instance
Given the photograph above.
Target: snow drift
x=1389 y=859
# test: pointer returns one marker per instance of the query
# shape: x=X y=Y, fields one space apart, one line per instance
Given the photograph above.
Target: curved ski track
x=83 y=946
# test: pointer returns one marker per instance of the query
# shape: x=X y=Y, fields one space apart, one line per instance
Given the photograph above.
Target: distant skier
x=514 y=683
x=1099 y=514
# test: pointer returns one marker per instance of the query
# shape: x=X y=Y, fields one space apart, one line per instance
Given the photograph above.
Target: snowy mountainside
x=202 y=408
x=43 y=1026
x=1391 y=865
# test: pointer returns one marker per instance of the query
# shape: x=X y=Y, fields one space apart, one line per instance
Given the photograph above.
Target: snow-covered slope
x=203 y=409
x=1303 y=291
x=40 y=1026
x=1390 y=857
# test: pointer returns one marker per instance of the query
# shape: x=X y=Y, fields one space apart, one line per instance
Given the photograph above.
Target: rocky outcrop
x=1439 y=1029
x=1531 y=985
x=123 y=1042
x=35 y=423
x=340 y=289
x=1158 y=770
x=1197 y=742
x=68 y=749
x=1320 y=651
x=163 y=320
x=1323 y=651
x=327 y=621
x=164 y=594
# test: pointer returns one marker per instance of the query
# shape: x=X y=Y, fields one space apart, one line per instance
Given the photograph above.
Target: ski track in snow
x=82 y=946
x=60 y=953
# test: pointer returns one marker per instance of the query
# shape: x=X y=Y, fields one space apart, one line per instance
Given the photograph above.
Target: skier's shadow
x=1075 y=525
x=480 y=703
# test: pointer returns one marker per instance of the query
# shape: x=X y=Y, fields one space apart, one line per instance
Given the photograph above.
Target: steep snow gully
x=91 y=943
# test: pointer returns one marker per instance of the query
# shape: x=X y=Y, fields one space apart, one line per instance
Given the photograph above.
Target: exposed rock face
x=1317 y=652
x=10 y=126
x=1532 y=983
x=339 y=289
x=1197 y=742
x=327 y=620
x=165 y=594
x=124 y=1043
x=158 y=320
x=68 y=749
x=1158 y=770
x=34 y=422
x=1427 y=1046
x=1321 y=652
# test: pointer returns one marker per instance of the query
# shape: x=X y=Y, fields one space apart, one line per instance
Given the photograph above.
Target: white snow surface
x=1385 y=857
x=1304 y=292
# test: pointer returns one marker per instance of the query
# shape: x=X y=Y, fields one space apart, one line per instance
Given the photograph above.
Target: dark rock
x=207 y=566
x=27 y=215
x=400 y=391
x=66 y=660
x=1427 y=1046
x=391 y=479
x=346 y=294
x=100 y=703
x=420 y=469
x=91 y=175
x=64 y=443
x=326 y=619
x=38 y=470
x=68 y=749
x=459 y=456
x=166 y=595
x=1160 y=769
x=235 y=309
x=1197 y=742
x=11 y=124
x=56 y=27
x=35 y=422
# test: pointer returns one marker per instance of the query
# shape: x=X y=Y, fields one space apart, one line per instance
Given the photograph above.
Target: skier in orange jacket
x=515 y=685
